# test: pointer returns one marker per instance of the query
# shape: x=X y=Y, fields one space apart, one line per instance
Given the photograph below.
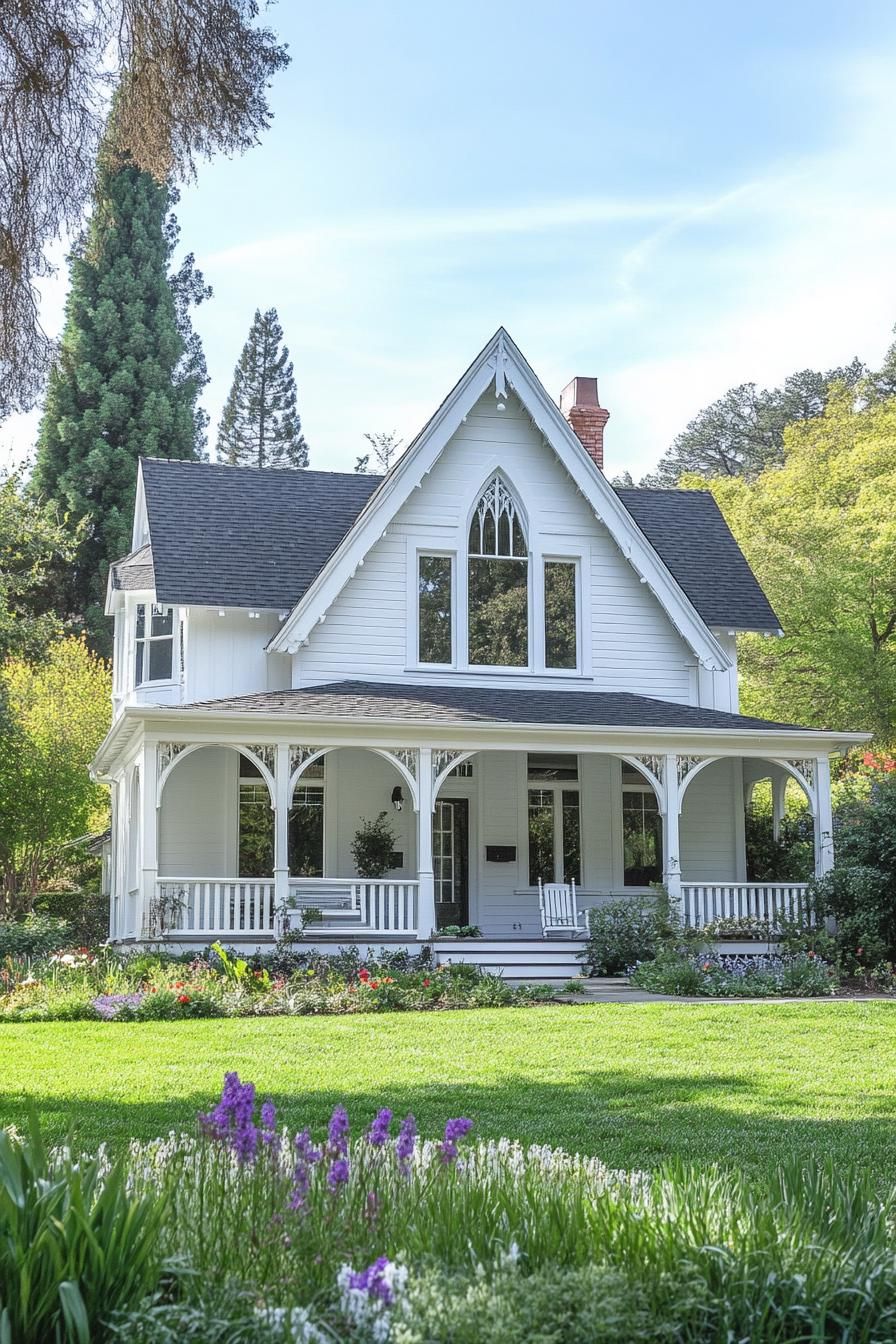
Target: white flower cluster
x=294 y=1324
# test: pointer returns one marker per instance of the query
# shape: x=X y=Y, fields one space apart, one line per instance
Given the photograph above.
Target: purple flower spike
x=337 y=1135
x=269 y=1126
x=404 y=1145
x=338 y=1173
x=231 y=1121
x=378 y=1134
x=454 y=1130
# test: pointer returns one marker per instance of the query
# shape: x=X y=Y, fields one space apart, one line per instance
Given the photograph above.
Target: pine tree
x=126 y=383
x=260 y=425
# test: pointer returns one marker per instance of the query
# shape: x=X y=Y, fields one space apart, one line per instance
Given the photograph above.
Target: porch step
x=551 y=959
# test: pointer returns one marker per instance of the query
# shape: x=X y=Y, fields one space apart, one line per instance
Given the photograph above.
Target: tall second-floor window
x=434 y=609
x=154 y=657
x=498 y=581
x=561 y=650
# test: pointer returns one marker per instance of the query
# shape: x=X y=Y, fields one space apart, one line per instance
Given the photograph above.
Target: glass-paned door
x=450 y=854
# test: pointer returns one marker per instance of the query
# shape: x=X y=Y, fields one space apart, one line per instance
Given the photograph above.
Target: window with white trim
x=434 y=604
x=561 y=644
x=154 y=644
x=642 y=830
x=554 y=819
x=497 y=581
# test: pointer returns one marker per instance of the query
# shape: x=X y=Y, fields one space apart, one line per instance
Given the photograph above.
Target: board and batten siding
x=225 y=654
x=631 y=642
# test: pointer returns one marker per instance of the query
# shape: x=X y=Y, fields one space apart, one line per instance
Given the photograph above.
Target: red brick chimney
x=579 y=403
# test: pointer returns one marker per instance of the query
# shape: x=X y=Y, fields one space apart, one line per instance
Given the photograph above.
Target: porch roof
x=406 y=703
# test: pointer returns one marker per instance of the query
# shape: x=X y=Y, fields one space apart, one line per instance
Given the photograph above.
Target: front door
x=450 y=854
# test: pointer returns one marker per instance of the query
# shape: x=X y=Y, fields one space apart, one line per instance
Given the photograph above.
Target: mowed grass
x=635 y=1084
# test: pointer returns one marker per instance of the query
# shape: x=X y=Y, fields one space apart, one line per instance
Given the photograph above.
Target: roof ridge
x=280 y=471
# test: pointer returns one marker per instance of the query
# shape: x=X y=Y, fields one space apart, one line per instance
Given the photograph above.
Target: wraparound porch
x=474 y=829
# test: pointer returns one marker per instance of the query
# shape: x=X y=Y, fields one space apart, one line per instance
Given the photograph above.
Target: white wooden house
x=533 y=673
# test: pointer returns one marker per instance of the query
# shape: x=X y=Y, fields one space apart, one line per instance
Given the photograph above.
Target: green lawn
x=636 y=1084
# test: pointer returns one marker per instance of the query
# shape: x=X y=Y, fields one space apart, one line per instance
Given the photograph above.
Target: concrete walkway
x=616 y=989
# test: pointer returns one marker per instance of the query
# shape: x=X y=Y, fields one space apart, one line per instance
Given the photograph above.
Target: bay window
x=154 y=645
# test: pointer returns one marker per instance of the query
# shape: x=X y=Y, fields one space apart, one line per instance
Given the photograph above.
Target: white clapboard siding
x=634 y=645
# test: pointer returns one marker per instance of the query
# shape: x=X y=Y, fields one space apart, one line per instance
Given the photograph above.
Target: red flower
x=183 y=998
x=426 y=983
x=178 y=984
x=374 y=984
x=363 y=974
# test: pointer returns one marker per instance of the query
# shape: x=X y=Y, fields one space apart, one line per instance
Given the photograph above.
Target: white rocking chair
x=557 y=902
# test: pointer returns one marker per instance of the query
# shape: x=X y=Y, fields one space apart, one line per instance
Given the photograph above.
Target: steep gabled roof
x=244 y=536
x=688 y=530
x=240 y=537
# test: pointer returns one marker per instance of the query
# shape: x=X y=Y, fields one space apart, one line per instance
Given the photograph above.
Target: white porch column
x=426 y=893
x=823 y=819
x=281 y=828
x=149 y=836
x=779 y=802
x=672 y=793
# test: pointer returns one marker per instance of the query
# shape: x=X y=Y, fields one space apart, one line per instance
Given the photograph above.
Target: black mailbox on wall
x=500 y=853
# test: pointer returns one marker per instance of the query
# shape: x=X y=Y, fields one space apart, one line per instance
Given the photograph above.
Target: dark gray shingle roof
x=474 y=704
x=687 y=529
x=135 y=572
x=245 y=537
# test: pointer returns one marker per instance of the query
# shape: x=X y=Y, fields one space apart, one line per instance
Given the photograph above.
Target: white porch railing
x=216 y=906
x=186 y=905
x=377 y=905
x=704 y=902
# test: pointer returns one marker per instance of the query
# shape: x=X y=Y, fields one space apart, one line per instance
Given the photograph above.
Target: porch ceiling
x=404 y=703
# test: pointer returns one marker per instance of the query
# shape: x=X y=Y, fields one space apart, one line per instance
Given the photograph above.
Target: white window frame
x=560 y=558
x=558 y=787
x=432 y=553
x=642 y=786
x=149 y=603
x=463 y=596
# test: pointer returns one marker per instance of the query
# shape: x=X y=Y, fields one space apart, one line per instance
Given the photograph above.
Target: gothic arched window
x=498 y=581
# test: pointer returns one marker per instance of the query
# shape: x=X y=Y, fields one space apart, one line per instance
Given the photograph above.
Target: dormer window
x=154 y=647
x=498 y=581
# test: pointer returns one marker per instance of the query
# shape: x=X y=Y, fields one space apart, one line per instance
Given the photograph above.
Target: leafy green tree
x=32 y=542
x=53 y=716
x=820 y=533
x=191 y=80
x=742 y=433
x=126 y=383
x=260 y=425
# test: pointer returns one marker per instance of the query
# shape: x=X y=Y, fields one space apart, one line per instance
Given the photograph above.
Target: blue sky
x=676 y=198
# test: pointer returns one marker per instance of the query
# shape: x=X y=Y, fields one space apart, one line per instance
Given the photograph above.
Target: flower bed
x=245 y=1232
x=718 y=975
x=140 y=988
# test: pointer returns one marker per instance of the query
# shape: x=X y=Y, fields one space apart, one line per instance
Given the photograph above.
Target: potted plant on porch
x=374 y=846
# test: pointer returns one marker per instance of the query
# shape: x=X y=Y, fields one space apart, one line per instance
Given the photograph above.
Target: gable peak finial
x=500 y=366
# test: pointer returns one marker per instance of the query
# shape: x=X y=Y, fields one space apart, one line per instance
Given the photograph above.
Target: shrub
x=711 y=975
x=34 y=936
x=861 y=901
x=373 y=846
x=626 y=931
x=75 y=1243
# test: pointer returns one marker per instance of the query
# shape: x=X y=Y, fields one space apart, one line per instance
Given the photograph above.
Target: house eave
x=344 y=730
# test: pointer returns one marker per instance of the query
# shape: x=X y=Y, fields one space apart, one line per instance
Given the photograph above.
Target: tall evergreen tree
x=260 y=425
x=127 y=380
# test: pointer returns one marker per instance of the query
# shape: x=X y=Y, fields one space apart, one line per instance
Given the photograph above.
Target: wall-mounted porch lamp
x=397 y=798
